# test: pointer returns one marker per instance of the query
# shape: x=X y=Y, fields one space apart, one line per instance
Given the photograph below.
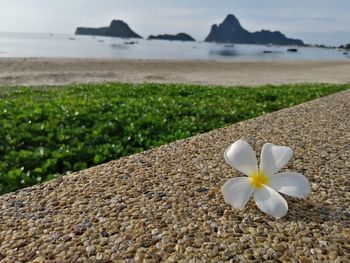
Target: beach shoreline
x=62 y=71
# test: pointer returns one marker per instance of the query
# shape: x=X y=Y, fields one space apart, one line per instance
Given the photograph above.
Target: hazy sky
x=314 y=21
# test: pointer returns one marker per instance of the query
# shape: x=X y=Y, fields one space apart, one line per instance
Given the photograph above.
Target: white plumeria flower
x=262 y=182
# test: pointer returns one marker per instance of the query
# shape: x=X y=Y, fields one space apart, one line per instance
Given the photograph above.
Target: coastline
x=61 y=71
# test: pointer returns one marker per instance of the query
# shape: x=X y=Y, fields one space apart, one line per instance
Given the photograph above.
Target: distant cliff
x=179 y=36
x=117 y=28
x=231 y=31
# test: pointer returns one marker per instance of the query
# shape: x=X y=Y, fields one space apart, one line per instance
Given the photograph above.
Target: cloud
x=292 y=17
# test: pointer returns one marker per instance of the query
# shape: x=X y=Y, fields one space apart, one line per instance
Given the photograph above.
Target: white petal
x=290 y=183
x=241 y=156
x=270 y=202
x=237 y=191
x=273 y=158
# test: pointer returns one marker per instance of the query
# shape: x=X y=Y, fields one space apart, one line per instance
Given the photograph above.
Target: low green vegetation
x=49 y=132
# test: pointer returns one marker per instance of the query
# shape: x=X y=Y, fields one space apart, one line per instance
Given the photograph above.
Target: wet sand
x=53 y=71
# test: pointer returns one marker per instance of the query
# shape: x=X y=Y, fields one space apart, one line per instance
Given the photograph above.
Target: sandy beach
x=52 y=71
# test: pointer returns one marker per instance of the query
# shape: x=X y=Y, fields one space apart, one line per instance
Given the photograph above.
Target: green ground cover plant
x=45 y=133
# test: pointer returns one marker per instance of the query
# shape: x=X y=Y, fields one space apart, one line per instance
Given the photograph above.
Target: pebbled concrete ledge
x=165 y=204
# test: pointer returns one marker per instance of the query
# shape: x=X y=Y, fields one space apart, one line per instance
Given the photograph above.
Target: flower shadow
x=314 y=212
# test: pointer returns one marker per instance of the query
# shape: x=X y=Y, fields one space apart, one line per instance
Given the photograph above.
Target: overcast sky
x=314 y=21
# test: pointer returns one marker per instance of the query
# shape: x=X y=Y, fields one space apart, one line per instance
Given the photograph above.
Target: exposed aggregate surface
x=166 y=204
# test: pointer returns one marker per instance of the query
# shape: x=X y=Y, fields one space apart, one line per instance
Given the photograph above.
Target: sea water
x=79 y=46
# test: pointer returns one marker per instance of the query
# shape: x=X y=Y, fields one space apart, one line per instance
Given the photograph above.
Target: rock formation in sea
x=179 y=36
x=117 y=28
x=231 y=31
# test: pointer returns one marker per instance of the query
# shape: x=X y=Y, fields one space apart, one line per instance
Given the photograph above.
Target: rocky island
x=117 y=28
x=346 y=46
x=231 y=31
x=179 y=37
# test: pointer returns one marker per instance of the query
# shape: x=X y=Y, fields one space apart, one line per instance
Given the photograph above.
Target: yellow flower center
x=258 y=179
